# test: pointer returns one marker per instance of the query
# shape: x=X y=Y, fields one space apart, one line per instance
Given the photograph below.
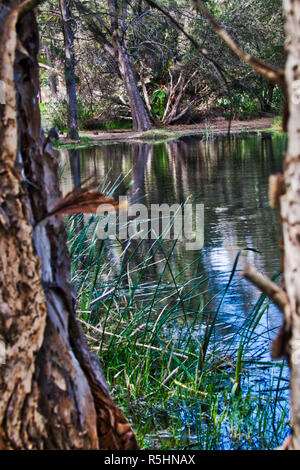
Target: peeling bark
x=290 y=212
x=53 y=394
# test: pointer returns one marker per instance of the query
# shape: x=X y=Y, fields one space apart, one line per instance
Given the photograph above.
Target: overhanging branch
x=269 y=71
x=222 y=72
x=269 y=288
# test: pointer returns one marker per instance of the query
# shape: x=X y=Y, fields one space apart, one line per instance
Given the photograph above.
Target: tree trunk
x=290 y=213
x=140 y=120
x=53 y=394
x=65 y=7
x=52 y=76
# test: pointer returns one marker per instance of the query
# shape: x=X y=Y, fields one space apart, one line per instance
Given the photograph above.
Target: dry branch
x=50 y=69
x=269 y=288
x=83 y=201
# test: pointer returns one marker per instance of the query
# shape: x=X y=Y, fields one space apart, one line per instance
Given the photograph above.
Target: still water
x=228 y=176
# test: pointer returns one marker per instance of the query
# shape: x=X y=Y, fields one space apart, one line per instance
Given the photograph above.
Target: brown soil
x=220 y=125
x=217 y=126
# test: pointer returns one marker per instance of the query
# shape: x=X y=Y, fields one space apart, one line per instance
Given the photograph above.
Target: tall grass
x=180 y=380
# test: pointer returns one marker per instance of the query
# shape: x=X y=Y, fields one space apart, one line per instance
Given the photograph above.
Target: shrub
x=55 y=113
x=244 y=106
x=159 y=101
x=97 y=124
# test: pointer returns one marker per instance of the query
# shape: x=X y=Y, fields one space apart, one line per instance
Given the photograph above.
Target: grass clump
x=277 y=124
x=181 y=381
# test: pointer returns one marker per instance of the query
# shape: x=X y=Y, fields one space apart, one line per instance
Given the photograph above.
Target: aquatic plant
x=181 y=382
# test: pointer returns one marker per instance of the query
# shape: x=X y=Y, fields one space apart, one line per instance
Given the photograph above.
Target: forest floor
x=217 y=126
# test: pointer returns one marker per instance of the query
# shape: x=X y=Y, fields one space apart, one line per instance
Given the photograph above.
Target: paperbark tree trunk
x=65 y=7
x=290 y=212
x=53 y=394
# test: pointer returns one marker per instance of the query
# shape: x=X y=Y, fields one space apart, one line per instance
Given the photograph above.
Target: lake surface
x=228 y=176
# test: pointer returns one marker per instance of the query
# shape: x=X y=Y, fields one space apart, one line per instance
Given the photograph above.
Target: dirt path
x=217 y=126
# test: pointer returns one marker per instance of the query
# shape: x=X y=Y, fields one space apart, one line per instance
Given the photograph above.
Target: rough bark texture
x=52 y=391
x=65 y=7
x=140 y=120
x=290 y=212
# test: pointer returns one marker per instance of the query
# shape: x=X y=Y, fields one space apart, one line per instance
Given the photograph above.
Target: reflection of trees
x=134 y=249
x=141 y=154
x=229 y=176
x=74 y=158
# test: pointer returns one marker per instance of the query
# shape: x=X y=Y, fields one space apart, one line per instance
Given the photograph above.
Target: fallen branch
x=269 y=288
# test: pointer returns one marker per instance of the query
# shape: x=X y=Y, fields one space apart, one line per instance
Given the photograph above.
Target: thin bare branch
x=269 y=288
x=50 y=69
x=222 y=72
x=269 y=71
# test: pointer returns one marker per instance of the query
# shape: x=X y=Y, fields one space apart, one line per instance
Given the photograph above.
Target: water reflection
x=228 y=176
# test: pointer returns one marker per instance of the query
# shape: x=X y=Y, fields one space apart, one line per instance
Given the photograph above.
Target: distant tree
x=111 y=35
x=66 y=18
x=52 y=73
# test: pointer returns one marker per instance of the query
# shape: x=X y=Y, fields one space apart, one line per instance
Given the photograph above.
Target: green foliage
x=277 y=124
x=159 y=101
x=156 y=47
x=57 y=113
x=83 y=112
x=43 y=108
x=243 y=106
x=278 y=100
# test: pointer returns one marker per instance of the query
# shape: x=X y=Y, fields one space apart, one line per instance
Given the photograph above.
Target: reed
x=180 y=381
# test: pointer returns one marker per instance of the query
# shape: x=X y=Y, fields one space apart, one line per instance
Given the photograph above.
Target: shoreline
x=215 y=127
